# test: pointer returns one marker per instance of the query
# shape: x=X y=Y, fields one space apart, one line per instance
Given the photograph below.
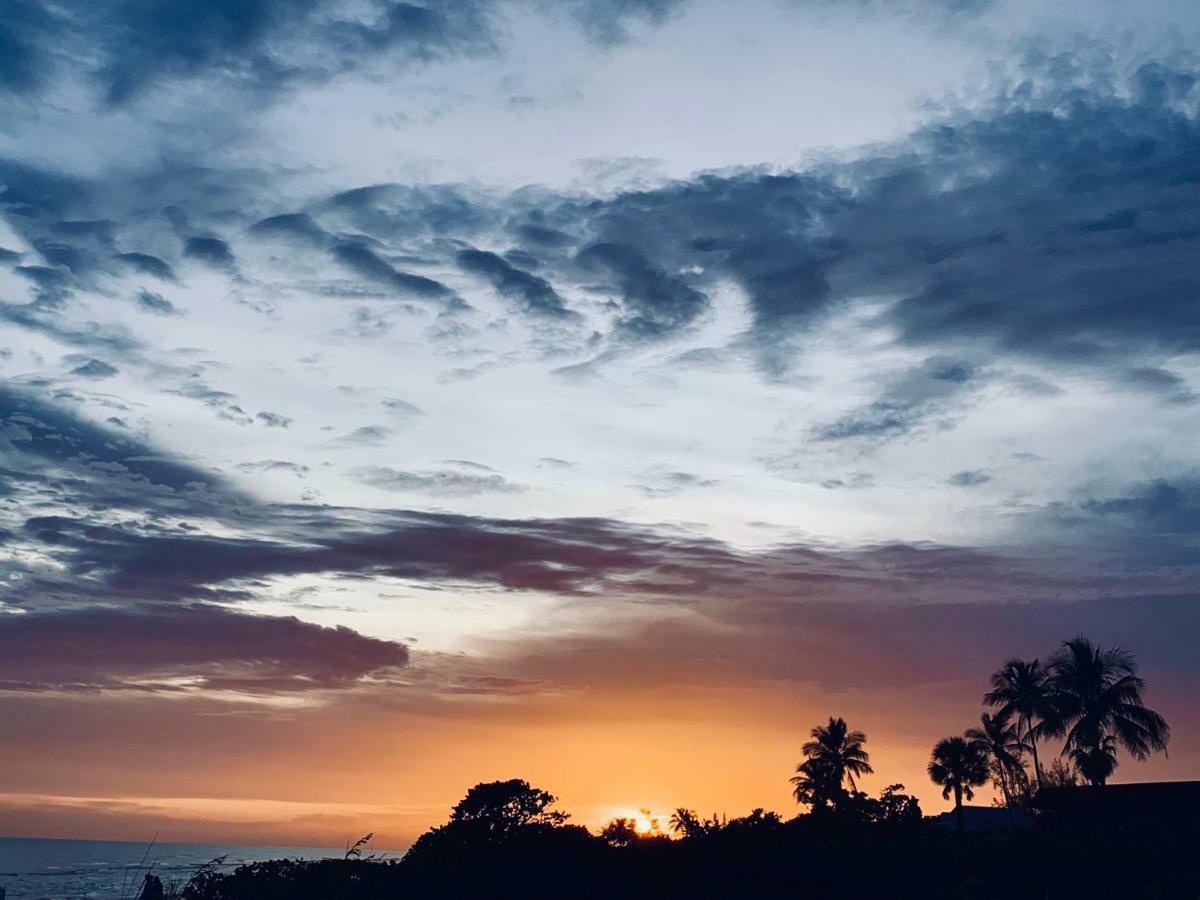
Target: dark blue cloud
x=156 y=303
x=533 y=294
x=94 y=368
x=126 y=49
x=367 y=263
x=211 y=250
x=292 y=226
x=909 y=400
x=1164 y=506
x=41 y=431
x=25 y=30
x=608 y=21
x=654 y=303
x=148 y=265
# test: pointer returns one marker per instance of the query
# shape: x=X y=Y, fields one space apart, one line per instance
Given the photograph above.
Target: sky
x=397 y=396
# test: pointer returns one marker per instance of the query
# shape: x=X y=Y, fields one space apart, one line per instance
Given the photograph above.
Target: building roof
x=1148 y=796
x=983 y=818
x=1163 y=804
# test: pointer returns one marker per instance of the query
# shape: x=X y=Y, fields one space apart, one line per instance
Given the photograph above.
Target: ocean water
x=37 y=869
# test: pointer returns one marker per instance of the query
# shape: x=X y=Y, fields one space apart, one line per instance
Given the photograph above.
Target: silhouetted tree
x=1096 y=702
x=897 y=807
x=501 y=806
x=958 y=765
x=1060 y=774
x=1000 y=742
x=756 y=818
x=685 y=823
x=620 y=832
x=835 y=754
x=1096 y=764
x=1021 y=687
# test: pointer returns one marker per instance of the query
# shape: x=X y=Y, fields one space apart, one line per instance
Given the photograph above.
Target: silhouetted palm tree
x=684 y=822
x=1001 y=743
x=835 y=754
x=1096 y=764
x=958 y=765
x=1020 y=687
x=1096 y=702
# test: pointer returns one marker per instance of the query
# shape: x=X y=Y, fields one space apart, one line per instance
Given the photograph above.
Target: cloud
x=156 y=303
x=969 y=478
x=211 y=250
x=223 y=403
x=665 y=482
x=533 y=294
x=367 y=435
x=1157 y=380
x=147 y=265
x=942 y=240
x=655 y=304
x=171 y=649
x=443 y=483
x=41 y=432
x=365 y=262
x=292 y=226
x=859 y=646
x=401 y=408
x=273 y=420
x=608 y=21
x=94 y=368
x=1162 y=506
x=265 y=48
x=274 y=465
x=260 y=46
x=912 y=399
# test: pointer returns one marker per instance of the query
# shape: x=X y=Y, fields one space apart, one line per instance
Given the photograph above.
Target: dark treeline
x=507 y=839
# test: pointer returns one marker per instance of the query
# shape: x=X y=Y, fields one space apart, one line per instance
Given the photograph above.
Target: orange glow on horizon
x=323 y=776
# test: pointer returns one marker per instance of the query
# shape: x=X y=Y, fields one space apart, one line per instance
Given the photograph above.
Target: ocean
x=38 y=869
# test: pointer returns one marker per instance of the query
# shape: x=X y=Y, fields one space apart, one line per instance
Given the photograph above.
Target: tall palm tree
x=835 y=754
x=1000 y=741
x=958 y=765
x=1020 y=687
x=1096 y=703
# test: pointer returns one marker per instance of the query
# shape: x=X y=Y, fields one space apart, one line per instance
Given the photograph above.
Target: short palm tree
x=835 y=754
x=685 y=822
x=958 y=765
x=1000 y=741
x=1096 y=764
x=1020 y=688
x=1096 y=703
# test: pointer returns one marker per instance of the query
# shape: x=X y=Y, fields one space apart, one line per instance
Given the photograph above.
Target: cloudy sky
x=397 y=396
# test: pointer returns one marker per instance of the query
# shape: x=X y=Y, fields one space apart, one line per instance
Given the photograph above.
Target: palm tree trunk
x=1007 y=795
x=958 y=811
x=1037 y=767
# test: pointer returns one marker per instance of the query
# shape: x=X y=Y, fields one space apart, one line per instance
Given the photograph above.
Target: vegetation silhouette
x=507 y=839
x=1096 y=703
x=1000 y=743
x=958 y=764
x=1021 y=688
x=835 y=754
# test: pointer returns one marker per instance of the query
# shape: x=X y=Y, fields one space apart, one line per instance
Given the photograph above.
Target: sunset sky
x=599 y=392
